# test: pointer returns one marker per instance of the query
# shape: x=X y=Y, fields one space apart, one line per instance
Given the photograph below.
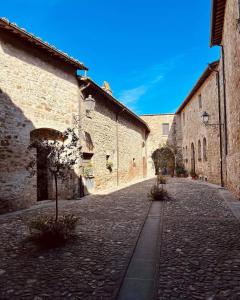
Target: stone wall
x=116 y=138
x=36 y=92
x=156 y=137
x=231 y=44
x=194 y=131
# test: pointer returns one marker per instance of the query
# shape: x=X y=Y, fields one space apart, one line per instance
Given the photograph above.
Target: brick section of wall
x=193 y=130
x=35 y=93
x=231 y=44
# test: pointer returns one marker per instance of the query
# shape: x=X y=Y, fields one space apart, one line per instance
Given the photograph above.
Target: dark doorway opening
x=42 y=174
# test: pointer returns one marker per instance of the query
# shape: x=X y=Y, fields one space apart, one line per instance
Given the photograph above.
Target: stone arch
x=46 y=133
x=164 y=160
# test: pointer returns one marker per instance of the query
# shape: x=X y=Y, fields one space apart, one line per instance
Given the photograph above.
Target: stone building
x=225 y=32
x=39 y=94
x=115 y=140
x=201 y=143
x=162 y=129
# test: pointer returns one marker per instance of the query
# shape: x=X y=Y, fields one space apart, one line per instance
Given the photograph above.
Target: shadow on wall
x=17 y=190
x=14 y=139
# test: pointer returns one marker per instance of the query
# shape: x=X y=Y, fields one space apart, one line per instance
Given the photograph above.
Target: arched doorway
x=164 y=161
x=192 y=158
x=44 y=180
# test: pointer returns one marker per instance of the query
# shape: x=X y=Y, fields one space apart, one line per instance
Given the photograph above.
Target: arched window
x=192 y=158
x=204 y=149
x=199 y=151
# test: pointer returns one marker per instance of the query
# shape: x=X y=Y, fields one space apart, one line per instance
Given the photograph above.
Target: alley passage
x=199 y=247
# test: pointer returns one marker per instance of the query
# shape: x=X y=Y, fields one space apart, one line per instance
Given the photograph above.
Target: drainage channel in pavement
x=140 y=279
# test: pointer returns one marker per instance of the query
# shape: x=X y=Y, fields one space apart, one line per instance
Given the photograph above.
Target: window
x=165 y=128
x=204 y=149
x=183 y=118
x=200 y=101
x=199 y=151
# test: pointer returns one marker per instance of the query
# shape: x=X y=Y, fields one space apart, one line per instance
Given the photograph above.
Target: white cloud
x=143 y=81
x=131 y=96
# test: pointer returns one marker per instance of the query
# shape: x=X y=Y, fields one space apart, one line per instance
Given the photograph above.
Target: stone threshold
x=139 y=282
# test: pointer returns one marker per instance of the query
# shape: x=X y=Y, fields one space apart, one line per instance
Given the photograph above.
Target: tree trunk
x=56 y=196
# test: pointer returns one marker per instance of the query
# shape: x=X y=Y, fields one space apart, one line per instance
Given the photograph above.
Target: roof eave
x=218 y=9
x=41 y=44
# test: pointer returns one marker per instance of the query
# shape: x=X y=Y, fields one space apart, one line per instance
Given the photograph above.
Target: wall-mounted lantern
x=89 y=104
x=205 y=118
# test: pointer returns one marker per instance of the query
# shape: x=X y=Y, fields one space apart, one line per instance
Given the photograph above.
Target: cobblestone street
x=92 y=266
x=199 y=247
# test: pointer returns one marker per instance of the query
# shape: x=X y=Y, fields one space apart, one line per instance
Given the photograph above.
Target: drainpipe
x=220 y=127
x=224 y=100
x=220 y=123
x=117 y=140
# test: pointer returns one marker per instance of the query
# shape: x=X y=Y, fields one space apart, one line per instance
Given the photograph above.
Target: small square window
x=165 y=128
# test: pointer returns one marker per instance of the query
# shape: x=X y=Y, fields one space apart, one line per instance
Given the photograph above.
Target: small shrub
x=88 y=170
x=47 y=232
x=158 y=193
x=180 y=170
x=161 y=179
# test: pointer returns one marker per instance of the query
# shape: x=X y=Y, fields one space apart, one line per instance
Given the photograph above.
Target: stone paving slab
x=90 y=267
x=139 y=282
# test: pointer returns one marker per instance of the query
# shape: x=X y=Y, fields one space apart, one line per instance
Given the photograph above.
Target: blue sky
x=151 y=52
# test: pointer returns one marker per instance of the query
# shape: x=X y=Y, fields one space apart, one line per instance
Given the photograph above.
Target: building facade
x=164 y=130
x=225 y=32
x=115 y=140
x=200 y=142
x=40 y=94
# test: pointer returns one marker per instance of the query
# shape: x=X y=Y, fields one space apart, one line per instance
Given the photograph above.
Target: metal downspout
x=224 y=101
x=220 y=124
x=220 y=127
x=117 y=142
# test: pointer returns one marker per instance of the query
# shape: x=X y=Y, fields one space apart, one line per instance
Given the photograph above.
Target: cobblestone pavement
x=90 y=267
x=200 y=245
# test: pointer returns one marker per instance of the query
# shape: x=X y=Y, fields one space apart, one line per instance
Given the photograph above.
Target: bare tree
x=63 y=154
